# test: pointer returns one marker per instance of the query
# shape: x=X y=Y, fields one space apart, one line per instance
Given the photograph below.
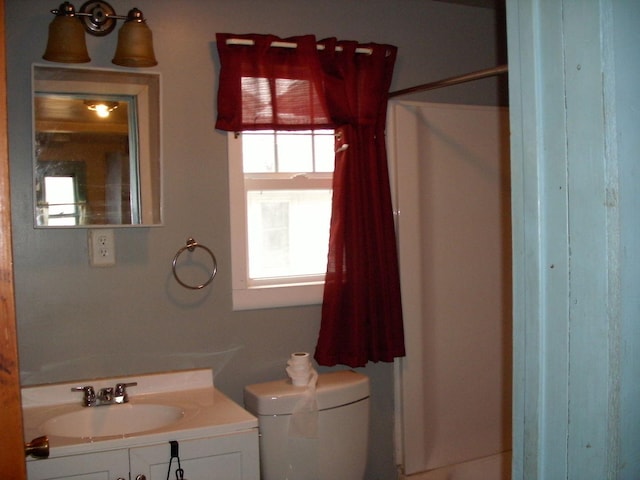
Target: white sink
x=105 y=421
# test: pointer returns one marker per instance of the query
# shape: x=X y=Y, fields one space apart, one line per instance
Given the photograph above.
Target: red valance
x=267 y=88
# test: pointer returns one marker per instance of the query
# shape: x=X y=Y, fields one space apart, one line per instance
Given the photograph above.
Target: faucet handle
x=120 y=393
x=89 y=395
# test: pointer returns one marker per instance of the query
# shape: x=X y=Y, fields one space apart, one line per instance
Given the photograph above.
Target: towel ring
x=191 y=246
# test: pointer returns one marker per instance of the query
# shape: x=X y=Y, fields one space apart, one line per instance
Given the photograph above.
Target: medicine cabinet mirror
x=96 y=147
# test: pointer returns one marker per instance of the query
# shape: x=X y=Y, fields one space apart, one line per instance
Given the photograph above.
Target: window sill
x=275 y=296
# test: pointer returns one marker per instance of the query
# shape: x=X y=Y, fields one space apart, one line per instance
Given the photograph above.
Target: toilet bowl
x=328 y=443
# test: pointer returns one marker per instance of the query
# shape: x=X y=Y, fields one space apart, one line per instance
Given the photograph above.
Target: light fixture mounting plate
x=99 y=18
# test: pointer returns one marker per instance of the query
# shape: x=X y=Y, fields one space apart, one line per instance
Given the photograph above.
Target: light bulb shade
x=135 y=43
x=66 y=41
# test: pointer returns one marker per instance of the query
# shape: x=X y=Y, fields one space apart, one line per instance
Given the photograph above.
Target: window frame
x=266 y=293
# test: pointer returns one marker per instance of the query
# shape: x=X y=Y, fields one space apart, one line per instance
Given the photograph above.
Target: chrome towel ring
x=191 y=246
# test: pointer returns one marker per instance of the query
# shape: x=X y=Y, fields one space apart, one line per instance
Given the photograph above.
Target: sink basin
x=91 y=422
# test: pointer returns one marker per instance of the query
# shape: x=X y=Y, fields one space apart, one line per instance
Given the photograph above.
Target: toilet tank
x=337 y=450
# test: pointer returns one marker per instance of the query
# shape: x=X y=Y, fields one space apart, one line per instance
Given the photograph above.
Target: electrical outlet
x=102 y=248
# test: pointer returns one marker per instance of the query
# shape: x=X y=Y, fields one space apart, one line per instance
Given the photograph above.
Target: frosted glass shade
x=66 y=43
x=135 y=43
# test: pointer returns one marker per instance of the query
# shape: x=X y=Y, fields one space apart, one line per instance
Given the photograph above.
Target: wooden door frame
x=12 y=461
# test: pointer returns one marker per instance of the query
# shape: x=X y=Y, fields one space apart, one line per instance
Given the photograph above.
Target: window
x=280 y=186
x=60 y=198
x=60 y=193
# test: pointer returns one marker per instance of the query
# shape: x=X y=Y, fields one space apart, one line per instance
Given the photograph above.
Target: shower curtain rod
x=468 y=77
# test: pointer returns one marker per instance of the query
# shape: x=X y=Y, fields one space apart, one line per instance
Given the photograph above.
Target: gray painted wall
x=75 y=321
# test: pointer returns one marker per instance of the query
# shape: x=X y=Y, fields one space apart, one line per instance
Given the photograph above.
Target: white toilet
x=336 y=450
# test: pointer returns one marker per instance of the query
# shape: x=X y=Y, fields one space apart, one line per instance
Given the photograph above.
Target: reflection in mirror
x=97 y=147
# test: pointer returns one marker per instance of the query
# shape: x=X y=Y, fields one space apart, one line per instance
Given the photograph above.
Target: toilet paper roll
x=299 y=368
x=304 y=418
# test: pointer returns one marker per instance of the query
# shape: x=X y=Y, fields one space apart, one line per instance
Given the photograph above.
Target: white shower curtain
x=451 y=177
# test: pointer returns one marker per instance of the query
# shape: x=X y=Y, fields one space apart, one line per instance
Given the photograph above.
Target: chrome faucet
x=120 y=393
x=106 y=396
x=89 y=399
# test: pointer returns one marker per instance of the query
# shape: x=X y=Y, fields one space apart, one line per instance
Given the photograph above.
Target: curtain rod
x=468 y=77
x=244 y=41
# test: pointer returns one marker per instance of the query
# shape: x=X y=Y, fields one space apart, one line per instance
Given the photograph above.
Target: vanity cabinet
x=232 y=456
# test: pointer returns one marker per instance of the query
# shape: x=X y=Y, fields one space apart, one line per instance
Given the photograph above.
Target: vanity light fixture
x=66 y=43
x=101 y=107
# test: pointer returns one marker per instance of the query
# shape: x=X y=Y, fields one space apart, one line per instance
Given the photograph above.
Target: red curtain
x=263 y=87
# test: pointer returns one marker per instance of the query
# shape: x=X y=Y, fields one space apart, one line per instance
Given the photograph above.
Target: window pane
x=324 y=152
x=256 y=102
x=60 y=196
x=295 y=153
x=292 y=101
x=288 y=232
x=258 y=152
x=62 y=221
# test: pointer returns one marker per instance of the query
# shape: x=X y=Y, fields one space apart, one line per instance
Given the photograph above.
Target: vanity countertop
x=207 y=412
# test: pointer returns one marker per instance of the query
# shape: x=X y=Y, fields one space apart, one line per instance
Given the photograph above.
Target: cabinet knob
x=141 y=477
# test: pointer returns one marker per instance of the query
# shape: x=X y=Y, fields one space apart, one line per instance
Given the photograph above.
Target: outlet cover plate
x=102 y=249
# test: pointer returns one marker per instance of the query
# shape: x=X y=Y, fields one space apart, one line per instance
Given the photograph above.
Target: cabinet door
x=112 y=465
x=228 y=457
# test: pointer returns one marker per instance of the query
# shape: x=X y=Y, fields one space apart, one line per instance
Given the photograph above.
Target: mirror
x=96 y=147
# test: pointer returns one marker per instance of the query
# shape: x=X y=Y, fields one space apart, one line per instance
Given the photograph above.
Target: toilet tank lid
x=280 y=396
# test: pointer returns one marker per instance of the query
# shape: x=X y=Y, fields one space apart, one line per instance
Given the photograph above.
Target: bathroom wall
x=77 y=321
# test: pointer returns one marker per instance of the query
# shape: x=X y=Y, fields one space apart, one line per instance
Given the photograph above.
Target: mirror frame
x=145 y=88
